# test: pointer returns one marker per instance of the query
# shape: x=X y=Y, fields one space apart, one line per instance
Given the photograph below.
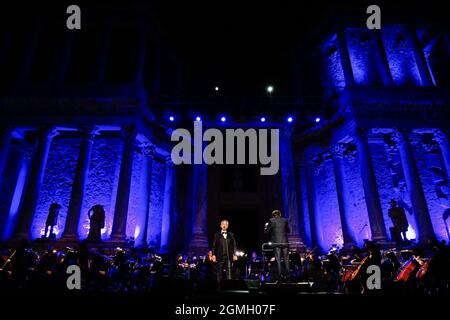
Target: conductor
x=278 y=229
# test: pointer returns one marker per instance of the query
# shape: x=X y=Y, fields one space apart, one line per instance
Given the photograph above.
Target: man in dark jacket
x=223 y=250
x=278 y=229
x=399 y=220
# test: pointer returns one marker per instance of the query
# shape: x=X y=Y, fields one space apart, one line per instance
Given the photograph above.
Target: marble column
x=79 y=184
x=442 y=137
x=199 y=241
x=168 y=204
x=342 y=193
x=414 y=185
x=36 y=176
x=149 y=153
x=288 y=188
x=5 y=139
x=119 y=227
x=372 y=197
x=312 y=200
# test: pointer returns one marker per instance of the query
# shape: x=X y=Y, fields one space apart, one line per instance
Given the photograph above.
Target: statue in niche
x=96 y=216
x=398 y=217
x=52 y=220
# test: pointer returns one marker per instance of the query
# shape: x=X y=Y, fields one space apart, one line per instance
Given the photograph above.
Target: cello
x=406 y=270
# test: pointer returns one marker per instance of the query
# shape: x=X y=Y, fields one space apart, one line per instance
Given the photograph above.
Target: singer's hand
x=213 y=258
x=234 y=258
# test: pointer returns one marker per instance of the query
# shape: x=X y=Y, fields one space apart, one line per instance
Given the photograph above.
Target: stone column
x=119 y=227
x=149 y=153
x=141 y=55
x=288 y=188
x=66 y=54
x=419 y=57
x=371 y=195
x=382 y=61
x=414 y=185
x=345 y=57
x=79 y=184
x=103 y=59
x=312 y=200
x=31 y=196
x=302 y=192
x=442 y=137
x=5 y=139
x=30 y=52
x=199 y=241
x=342 y=192
x=169 y=188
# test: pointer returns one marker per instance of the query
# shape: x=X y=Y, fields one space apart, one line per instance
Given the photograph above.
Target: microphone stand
x=228 y=259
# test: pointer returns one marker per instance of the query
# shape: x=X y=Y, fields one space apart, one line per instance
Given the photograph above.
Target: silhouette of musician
x=398 y=217
x=96 y=222
x=278 y=229
x=52 y=219
x=224 y=250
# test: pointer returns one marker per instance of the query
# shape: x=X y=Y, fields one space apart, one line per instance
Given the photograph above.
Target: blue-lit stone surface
x=57 y=183
x=328 y=225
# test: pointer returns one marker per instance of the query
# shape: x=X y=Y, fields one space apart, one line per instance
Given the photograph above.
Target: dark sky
x=245 y=45
x=242 y=46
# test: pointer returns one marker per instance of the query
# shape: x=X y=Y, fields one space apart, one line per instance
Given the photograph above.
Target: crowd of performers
x=424 y=270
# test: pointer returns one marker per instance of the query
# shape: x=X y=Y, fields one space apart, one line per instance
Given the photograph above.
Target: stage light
x=263 y=119
x=269 y=89
x=318 y=119
x=198 y=118
x=171 y=119
x=290 y=119
x=223 y=119
x=216 y=88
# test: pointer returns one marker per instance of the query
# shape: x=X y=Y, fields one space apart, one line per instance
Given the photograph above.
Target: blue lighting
x=198 y=118
x=223 y=119
x=317 y=119
x=263 y=119
x=171 y=119
x=290 y=119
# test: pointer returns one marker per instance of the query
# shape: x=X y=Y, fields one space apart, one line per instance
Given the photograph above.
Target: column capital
x=148 y=150
x=128 y=131
x=401 y=135
x=169 y=162
x=88 y=132
x=431 y=146
x=47 y=132
x=441 y=136
x=338 y=150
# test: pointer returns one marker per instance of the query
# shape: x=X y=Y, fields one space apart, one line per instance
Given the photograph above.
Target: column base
x=199 y=245
x=296 y=243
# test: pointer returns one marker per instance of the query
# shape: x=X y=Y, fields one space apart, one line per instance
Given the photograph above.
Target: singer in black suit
x=224 y=250
x=278 y=229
